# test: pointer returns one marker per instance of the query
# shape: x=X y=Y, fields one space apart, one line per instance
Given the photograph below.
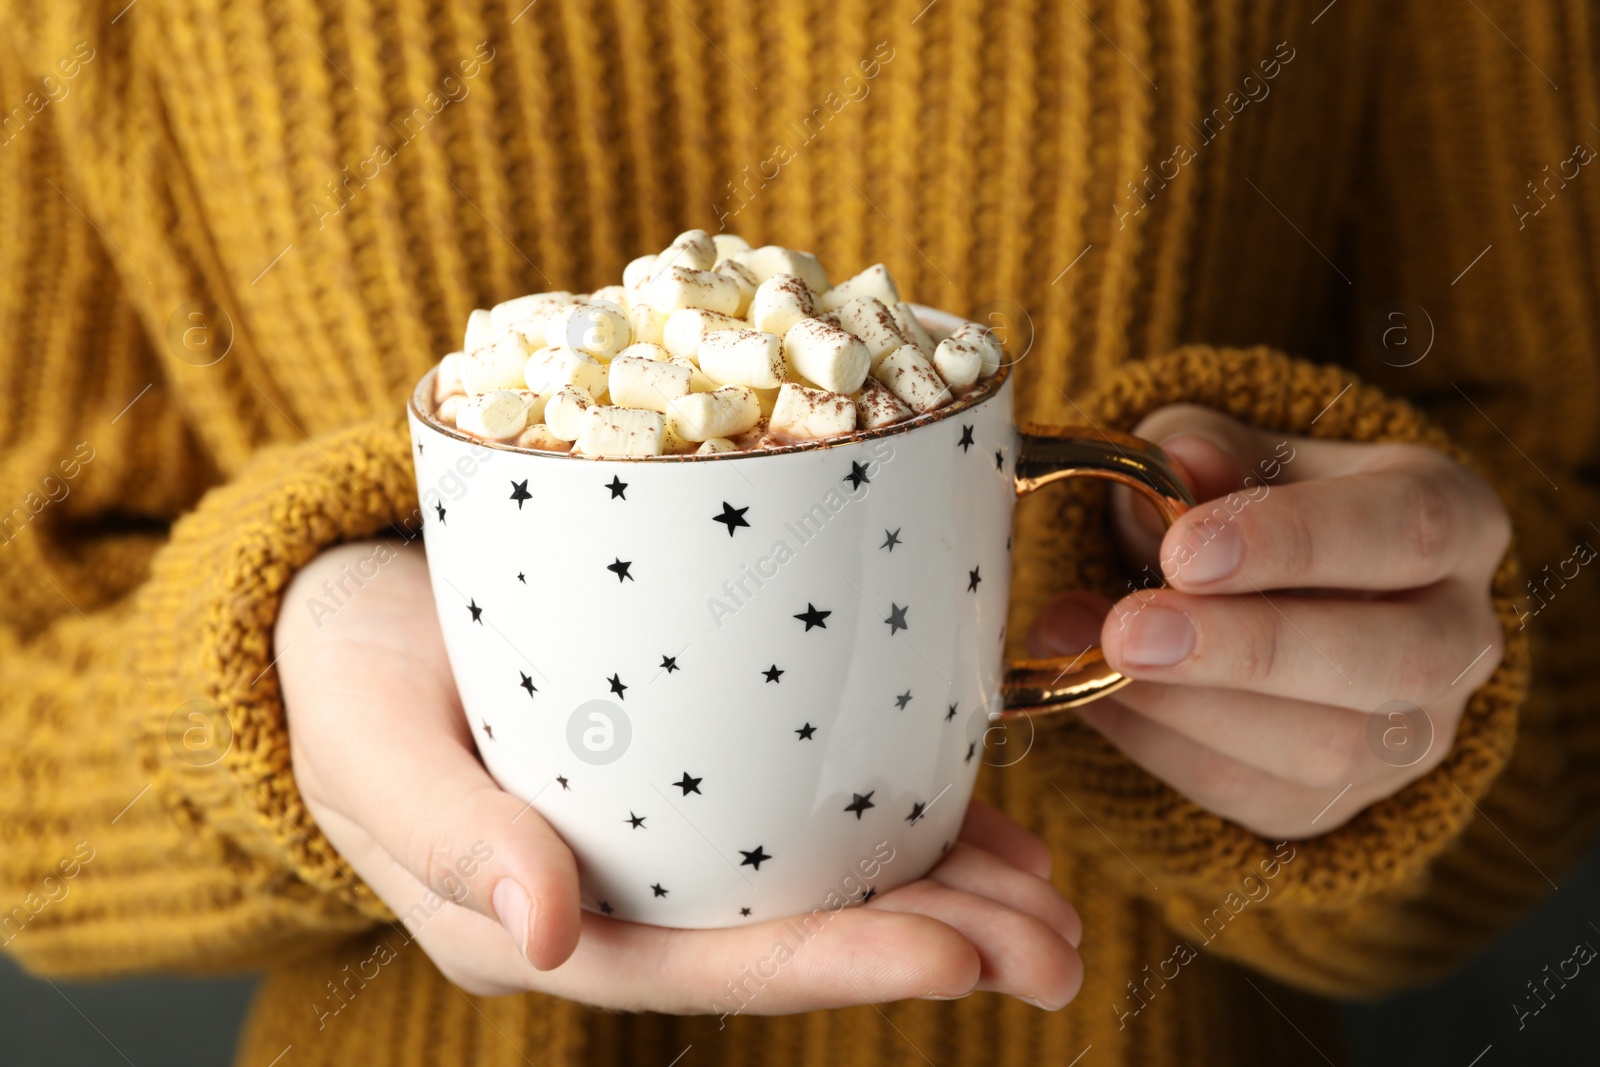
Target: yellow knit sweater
x=1171 y=196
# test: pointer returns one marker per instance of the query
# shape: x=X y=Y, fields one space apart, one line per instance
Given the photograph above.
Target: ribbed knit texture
x=996 y=165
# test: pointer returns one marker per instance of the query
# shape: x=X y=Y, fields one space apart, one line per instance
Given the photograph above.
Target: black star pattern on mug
x=999 y=460
x=731 y=517
x=440 y=509
x=688 y=784
x=772 y=674
x=952 y=712
x=902 y=700
x=563 y=780
x=523 y=578
x=744 y=911
x=973 y=578
x=972 y=748
x=519 y=492
x=477 y=612
x=488 y=730
x=966 y=441
x=812 y=617
x=419 y=448
x=897 y=618
x=616 y=686
x=916 y=813
x=871 y=892
x=617 y=485
x=858 y=475
x=658 y=890
x=890 y=540
x=527 y=683
x=620 y=569
x=670 y=664
x=806 y=731
x=636 y=820
x=859 y=804
x=754 y=859
x=606 y=908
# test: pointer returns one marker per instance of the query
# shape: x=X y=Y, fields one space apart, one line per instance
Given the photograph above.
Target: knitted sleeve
x=147 y=811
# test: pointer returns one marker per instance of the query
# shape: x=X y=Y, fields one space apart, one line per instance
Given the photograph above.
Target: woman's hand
x=1318 y=586
x=385 y=763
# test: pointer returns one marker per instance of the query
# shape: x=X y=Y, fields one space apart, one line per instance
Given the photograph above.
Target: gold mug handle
x=1051 y=454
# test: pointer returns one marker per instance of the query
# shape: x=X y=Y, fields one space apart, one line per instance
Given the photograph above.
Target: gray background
x=1466 y=1021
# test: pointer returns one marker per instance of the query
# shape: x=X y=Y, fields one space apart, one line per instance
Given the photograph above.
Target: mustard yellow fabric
x=1174 y=198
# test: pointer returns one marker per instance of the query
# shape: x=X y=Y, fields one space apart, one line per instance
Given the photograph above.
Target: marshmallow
x=645 y=323
x=682 y=333
x=676 y=288
x=768 y=399
x=672 y=444
x=743 y=278
x=874 y=281
x=698 y=380
x=988 y=345
x=809 y=414
x=827 y=355
x=500 y=415
x=694 y=249
x=450 y=407
x=550 y=368
x=540 y=437
x=729 y=244
x=601 y=330
x=565 y=409
x=912 y=379
x=744 y=357
x=498 y=365
x=768 y=260
x=509 y=312
x=868 y=319
x=712 y=445
x=646 y=383
x=780 y=302
x=480 y=329
x=612 y=431
x=725 y=412
x=447 y=380
x=615 y=295
x=638 y=272
x=911 y=329
x=958 y=362
x=876 y=406
x=644 y=350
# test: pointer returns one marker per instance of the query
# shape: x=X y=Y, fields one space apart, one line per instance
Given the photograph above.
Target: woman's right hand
x=386 y=765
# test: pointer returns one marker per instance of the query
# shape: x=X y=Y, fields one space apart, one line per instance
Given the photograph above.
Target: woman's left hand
x=1319 y=594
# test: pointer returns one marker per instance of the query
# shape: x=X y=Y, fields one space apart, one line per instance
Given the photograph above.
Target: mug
x=746 y=686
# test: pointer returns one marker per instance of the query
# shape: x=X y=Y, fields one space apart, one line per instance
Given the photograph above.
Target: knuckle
x=1257 y=652
x=1428 y=530
x=431 y=854
x=1292 y=543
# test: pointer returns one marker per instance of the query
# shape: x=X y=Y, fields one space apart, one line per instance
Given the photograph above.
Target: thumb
x=1215 y=454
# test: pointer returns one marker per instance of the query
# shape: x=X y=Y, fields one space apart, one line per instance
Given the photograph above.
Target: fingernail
x=1158 y=637
x=1036 y=1002
x=514 y=908
x=946 y=996
x=1218 y=555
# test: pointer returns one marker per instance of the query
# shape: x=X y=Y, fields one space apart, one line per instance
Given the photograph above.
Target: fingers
x=1309 y=744
x=1019 y=954
x=1401 y=528
x=991 y=829
x=974 y=870
x=1256 y=800
x=1355 y=654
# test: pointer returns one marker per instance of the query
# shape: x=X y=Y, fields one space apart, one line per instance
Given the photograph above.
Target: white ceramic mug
x=750 y=685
